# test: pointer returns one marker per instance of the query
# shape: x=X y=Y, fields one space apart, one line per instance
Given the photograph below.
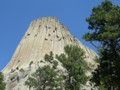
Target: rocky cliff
x=43 y=35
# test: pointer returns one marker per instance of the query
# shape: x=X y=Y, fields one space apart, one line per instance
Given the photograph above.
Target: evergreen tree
x=2 y=84
x=105 y=25
x=73 y=61
x=46 y=77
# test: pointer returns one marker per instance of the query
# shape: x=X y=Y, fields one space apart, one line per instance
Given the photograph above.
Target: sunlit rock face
x=43 y=35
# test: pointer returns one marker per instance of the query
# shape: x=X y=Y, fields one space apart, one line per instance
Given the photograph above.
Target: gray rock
x=43 y=35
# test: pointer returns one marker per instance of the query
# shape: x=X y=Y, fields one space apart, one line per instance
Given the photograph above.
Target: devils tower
x=43 y=35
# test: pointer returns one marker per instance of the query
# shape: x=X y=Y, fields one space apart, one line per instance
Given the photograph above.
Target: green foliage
x=49 y=58
x=31 y=82
x=102 y=86
x=73 y=61
x=55 y=64
x=21 y=70
x=30 y=63
x=46 y=77
x=104 y=23
x=17 y=68
x=12 y=70
x=2 y=84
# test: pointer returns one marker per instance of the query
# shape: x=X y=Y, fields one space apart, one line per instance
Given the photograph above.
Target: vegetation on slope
x=2 y=84
x=50 y=77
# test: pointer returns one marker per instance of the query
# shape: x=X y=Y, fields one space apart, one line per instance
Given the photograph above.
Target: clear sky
x=16 y=15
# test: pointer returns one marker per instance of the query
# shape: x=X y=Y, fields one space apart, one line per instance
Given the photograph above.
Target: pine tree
x=46 y=77
x=73 y=61
x=2 y=84
x=105 y=25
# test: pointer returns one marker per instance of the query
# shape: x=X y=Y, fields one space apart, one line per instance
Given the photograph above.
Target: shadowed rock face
x=43 y=35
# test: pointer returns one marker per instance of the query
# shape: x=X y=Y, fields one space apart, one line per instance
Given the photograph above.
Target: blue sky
x=16 y=15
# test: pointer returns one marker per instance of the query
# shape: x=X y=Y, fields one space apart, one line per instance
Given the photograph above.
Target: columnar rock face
x=43 y=35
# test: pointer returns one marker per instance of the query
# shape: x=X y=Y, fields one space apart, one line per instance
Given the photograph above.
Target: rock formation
x=43 y=35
